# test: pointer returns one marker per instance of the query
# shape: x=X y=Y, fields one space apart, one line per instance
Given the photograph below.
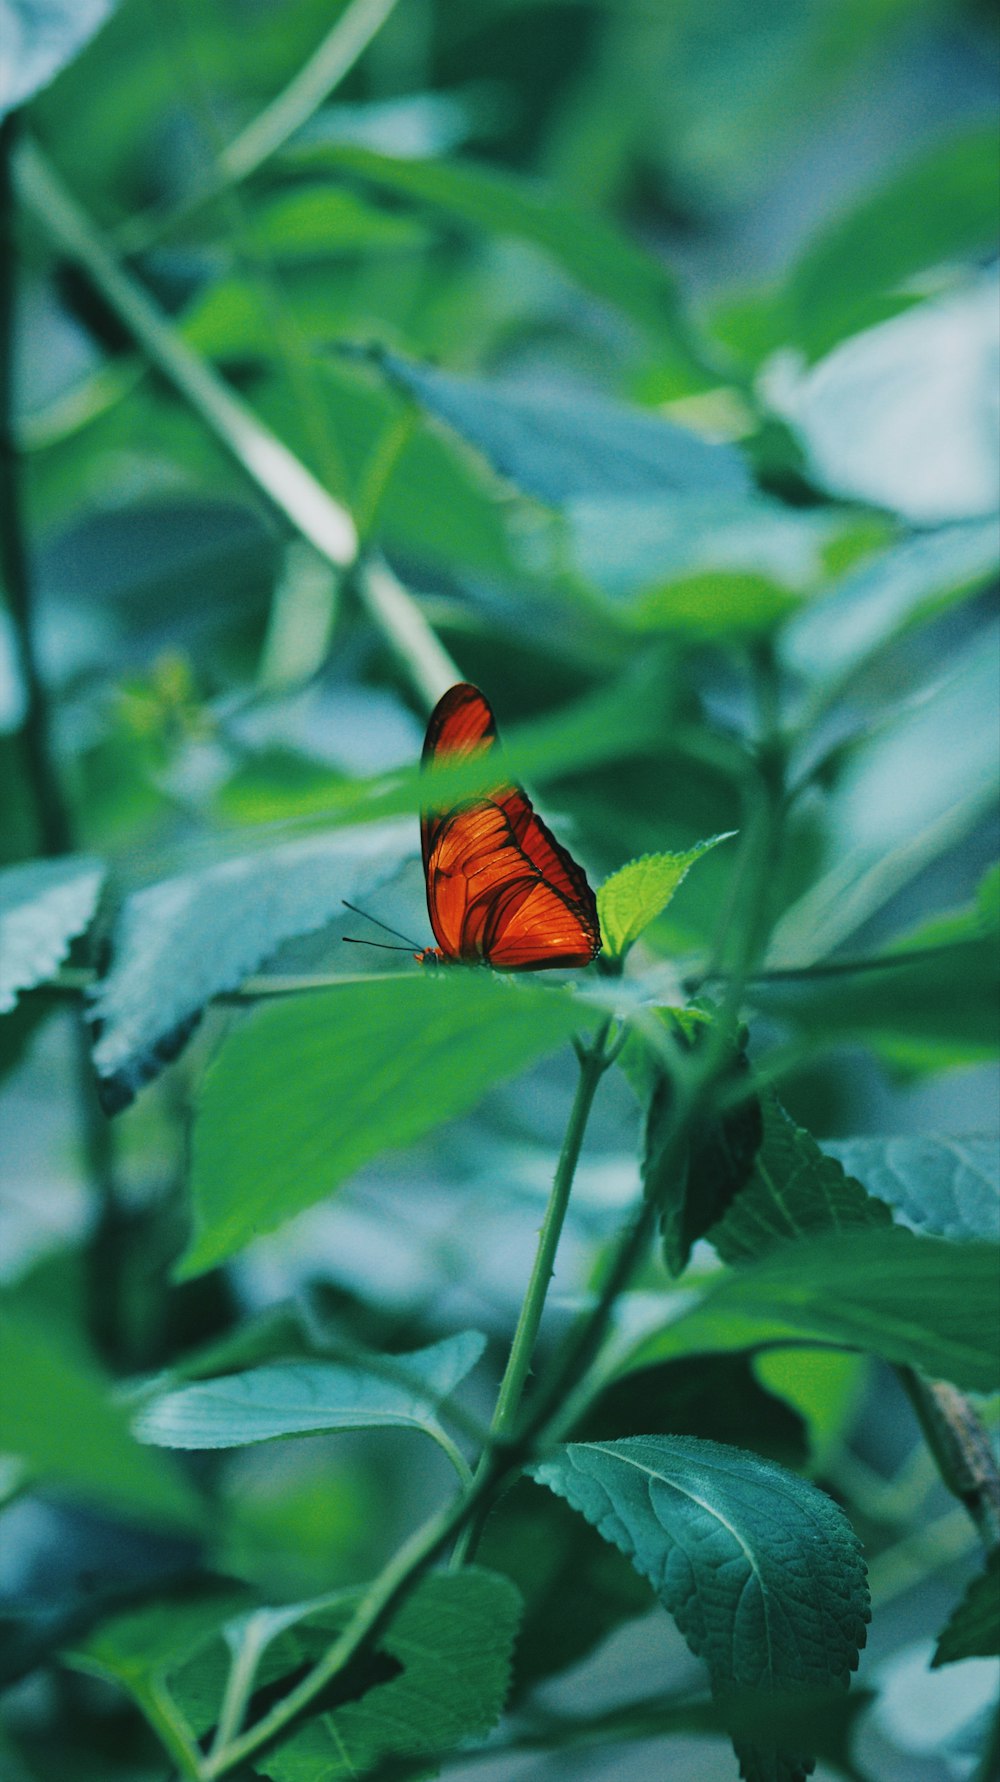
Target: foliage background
x=811 y=189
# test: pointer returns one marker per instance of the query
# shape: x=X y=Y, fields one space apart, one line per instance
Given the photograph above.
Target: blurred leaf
x=973 y=1629
x=941 y=208
x=905 y=415
x=907 y=795
x=888 y=596
x=761 y=1571
x=302 y=1094
x=720 y=603
x=576 y=1589
x=948 y=1187
x=921 y=1014
x=640 y=891
x=795 y=1191
x=489 y=201
x=139 y=1645
x=323 y=221
x=39 y=37
x=309 y=1397
x=822 y=1386
x=714 y=1397
x=556 y=445
x=44 y=904
x=55 y=1412
x=186 y=939
x=917 y=1301
x=694 y=1187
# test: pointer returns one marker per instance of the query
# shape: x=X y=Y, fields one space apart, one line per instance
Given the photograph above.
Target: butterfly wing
x=500 y=888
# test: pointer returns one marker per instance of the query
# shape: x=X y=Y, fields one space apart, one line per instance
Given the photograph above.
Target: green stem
x=961 y=1449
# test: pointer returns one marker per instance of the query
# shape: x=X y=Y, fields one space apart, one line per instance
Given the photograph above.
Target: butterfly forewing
x=500 y=888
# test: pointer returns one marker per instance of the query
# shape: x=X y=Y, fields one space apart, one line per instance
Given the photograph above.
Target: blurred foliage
x=638 y=362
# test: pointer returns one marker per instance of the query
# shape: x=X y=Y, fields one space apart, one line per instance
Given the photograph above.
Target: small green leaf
x=309 y=1397
x=795 y=1191
x=136 y=1645
x=918 y=1301
x=973 y=1629
x=948 y=1187
x=637 y=893
x=303 y=1093
x=43 y=905
x=56 y=1414
x=761 y=1571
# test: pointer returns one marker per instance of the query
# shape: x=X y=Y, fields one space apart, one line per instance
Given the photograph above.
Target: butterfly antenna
x=378 y=924
x=386 y=946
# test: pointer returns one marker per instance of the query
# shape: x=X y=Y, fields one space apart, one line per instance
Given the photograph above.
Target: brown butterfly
x=500 y=888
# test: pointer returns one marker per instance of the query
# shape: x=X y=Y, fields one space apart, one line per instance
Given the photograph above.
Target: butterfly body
x=501 y=890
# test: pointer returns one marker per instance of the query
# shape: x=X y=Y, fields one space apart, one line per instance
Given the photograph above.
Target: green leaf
x=182 y=941
x=576 y=1589
x=947 y=1187
x=973 y=1628
x=714 y=1397
x=716 y=603
x=942 y=207
x=490 y=202
x=323 y=222
x=636 y=894
x=39 y=37
x=353 y=1071
x=693 y=1186
x=43 y=905
x=761 y=1571
x=57 y=1416
x=888 y=596
x=920 y=1302
x=138 y=1645
x=558 y=446
x=309 y=1397
x=795 y=1191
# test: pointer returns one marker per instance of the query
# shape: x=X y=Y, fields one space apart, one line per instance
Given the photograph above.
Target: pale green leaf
x=39 y=38
x=43 y=905
x=915 y=1301
x=310 y=1397
x=303 y=1093
x=949 y=1187
x=761 y=1571
x=637 y=893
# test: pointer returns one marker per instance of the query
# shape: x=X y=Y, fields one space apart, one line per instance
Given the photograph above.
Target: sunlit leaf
x=761 y=1571
x=302 y=1094
x=186 y=939
x=310 y=1397
x=44 y=904
x=916 y=1301
x=637 y=893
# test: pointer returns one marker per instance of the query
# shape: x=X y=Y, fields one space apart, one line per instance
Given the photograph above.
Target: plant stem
x=961 y=1449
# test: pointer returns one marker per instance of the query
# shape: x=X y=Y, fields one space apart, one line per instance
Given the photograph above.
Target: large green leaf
x=795 y=1191
x=310 y=1397
x=973 y=1629
x=948 y=1187
x=637 y=893
x=39 y=37
x=57 y=1416
x=917 y=1301
x=495 y=203
x=182 y=941
x=43 y=905
x=760 y=1570
x=559 y=446
x=303 y=1094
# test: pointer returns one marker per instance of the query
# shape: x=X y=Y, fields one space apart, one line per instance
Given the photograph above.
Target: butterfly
x=500 y=889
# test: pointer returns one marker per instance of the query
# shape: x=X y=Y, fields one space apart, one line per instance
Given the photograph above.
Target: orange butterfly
x=500 y=889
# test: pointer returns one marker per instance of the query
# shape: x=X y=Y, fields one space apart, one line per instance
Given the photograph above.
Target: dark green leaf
x=795 y=1191
x=948 y=1187
x=186 y=939
x=920 y=1302
x=353 y=1071
x=57 y=1416
x=43 y=905
x=39 y=37
x=973 y=1629
x=558 y=446
x=760 y=1570
x=715 y=1397
x=309 y=1397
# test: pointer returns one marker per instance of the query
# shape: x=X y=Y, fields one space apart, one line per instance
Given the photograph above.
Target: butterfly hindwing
x=500 y=888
